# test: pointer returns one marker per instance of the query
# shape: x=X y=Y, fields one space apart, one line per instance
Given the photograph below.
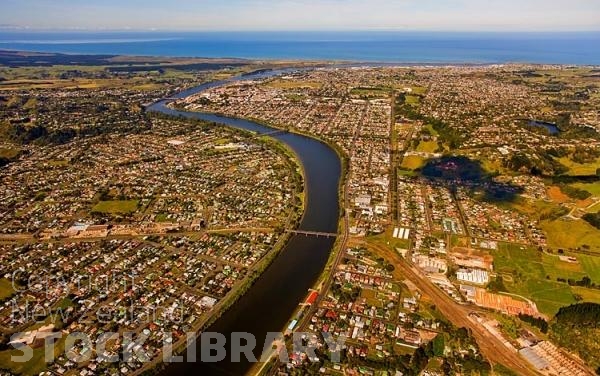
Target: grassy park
x=412 y=162
x=6 y=288
x=413 y=100
x=427 y=146
x=116 y=207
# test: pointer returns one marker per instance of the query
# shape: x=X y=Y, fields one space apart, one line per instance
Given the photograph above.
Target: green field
x=413 y=100
x=371 y=297
x=430 y=130
x=420 y=90
x=591 y=266
x=594 y=209
x=9 y=153
x=116 y=207
x=162 y=217
x=571 y=234
x=6 y=288
x=386 y=239
x=293 y=97
x=588 y=295
x=593 y=188
x=412 y=162
x=34 y=366
x=555 y=268
x=491 y=166
x=20 y=73
x=370 y=92
x=427 y=146
x=549 y=296
x=537 y=209
x=222 y=141
x=580 y=169
x=403 y=172
x=532 y=274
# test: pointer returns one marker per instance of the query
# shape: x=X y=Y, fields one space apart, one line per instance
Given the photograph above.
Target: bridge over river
x=271 y=301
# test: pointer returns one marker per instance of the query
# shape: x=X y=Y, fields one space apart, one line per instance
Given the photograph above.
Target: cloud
x=508 y=15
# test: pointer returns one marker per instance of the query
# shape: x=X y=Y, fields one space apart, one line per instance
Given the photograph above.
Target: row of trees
x=577 y=328
x=593 y=219
x=538 y=322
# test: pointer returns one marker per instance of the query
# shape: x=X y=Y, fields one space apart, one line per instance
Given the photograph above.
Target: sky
x=269 y=15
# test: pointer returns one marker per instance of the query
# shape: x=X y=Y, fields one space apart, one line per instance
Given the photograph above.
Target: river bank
x=273 y=298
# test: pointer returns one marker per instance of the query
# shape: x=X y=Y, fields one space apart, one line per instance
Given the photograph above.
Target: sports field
x=116 y=207
x=412 y=162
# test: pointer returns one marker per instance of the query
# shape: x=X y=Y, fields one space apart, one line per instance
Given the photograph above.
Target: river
x=271 y=302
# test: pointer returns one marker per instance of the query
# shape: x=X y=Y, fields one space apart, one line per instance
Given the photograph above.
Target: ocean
x=391 y=47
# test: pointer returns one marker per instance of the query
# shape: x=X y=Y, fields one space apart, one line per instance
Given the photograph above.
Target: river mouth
x=275 y=295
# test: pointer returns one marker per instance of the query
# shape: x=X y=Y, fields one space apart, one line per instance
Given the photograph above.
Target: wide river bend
x=272 y=300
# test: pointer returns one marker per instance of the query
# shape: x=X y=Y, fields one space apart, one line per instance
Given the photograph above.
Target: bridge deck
x=313 y=233
x=273 y=133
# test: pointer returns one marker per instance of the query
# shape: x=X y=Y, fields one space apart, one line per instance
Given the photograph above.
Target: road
x=491 y=347
x=326 y=285
x=341 y=251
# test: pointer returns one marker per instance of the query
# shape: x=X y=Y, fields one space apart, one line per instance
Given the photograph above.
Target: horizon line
x=4 y=28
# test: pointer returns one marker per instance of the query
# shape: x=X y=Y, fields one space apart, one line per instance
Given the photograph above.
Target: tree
x=419 y=360
x=593 y=219
x=439 y=345
x=535 y=321
x=497 y=285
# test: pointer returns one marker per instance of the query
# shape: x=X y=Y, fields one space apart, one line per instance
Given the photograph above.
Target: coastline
x=399 y=47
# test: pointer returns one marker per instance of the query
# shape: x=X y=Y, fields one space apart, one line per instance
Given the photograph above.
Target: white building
x=476 y=276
